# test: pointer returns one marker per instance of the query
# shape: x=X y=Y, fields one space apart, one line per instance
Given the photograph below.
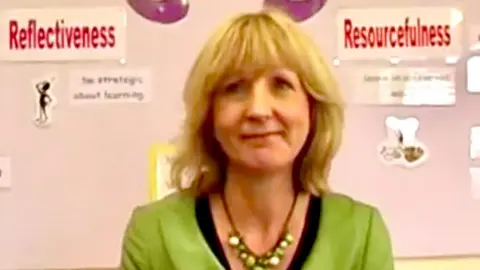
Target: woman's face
x=262 y=120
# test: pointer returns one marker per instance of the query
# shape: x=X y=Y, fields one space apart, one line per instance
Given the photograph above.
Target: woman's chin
x=260 y=165
x=264 y=160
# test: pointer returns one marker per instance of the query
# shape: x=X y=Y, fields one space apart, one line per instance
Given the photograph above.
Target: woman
x=264 y=119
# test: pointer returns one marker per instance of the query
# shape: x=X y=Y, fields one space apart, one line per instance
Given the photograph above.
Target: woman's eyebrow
x=287 y=75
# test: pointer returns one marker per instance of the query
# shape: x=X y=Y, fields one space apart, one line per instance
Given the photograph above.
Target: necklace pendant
x=252 y=261
x=268 y=260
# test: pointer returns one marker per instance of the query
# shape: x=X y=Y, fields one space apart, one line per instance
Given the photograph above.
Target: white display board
x=409 y=86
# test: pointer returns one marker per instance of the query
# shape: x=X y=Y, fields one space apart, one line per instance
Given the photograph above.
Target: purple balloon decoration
x=299 y=10
x=161 y=11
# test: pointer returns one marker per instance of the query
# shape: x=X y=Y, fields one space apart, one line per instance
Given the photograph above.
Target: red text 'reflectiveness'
x=59 y=36
x=396 y=36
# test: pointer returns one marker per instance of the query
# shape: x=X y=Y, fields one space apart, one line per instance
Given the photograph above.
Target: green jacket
x=164 y=236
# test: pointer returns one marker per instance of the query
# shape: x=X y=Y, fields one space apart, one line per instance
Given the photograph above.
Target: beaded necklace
x=267 y=260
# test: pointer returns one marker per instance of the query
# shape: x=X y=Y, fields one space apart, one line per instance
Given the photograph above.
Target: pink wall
x=72 y=192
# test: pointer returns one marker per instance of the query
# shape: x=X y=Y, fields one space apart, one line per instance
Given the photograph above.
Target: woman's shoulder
x=343 y=206
x=146 y=230
x=353 y=229
x=176 y=203
x=345 y=202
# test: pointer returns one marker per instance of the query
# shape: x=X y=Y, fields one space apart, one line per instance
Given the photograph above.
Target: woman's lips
x=259 y=135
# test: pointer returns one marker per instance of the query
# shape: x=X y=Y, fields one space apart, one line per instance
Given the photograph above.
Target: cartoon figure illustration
x=44 y=101
x=393 y=152
x=402 y=147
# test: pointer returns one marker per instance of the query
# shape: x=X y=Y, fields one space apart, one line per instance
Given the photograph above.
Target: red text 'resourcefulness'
x=409 y=34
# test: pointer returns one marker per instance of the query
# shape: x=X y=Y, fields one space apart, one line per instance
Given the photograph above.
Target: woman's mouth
x=264 y=135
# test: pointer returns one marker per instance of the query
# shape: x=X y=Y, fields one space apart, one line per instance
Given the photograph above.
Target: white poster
x=475 y=143
x=402 y=86
x=405 y=33
x=473 y=74
x=106 y=86
x=62 y=34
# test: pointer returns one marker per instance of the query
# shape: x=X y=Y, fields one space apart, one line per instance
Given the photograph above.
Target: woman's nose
x=259 y=104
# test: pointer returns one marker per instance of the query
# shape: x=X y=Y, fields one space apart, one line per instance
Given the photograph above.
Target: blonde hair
x=263 y=40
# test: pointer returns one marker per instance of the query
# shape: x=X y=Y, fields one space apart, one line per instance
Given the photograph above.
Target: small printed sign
x=475 y=143
x=404 y=33
x=5 y=173
x=63 y=34
x=402 y=86
x=107 y=86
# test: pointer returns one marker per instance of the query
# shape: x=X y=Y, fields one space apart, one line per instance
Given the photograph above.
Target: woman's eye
x=233 y=87
x=282 y=84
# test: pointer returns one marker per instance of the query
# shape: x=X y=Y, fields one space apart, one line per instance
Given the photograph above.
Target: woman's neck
x=259 y=201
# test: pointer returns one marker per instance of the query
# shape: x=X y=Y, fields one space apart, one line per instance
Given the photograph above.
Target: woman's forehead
x=254 y=72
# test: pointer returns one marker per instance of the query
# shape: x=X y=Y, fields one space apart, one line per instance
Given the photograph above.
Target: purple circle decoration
x=299 y=10
x=161 y=11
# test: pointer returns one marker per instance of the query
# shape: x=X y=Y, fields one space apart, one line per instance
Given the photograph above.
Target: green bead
x=289 y=238
x=250 y=261
x=269 y=259
x=279 y=252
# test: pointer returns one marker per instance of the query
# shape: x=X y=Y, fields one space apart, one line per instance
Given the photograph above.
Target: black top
x=307 y=239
